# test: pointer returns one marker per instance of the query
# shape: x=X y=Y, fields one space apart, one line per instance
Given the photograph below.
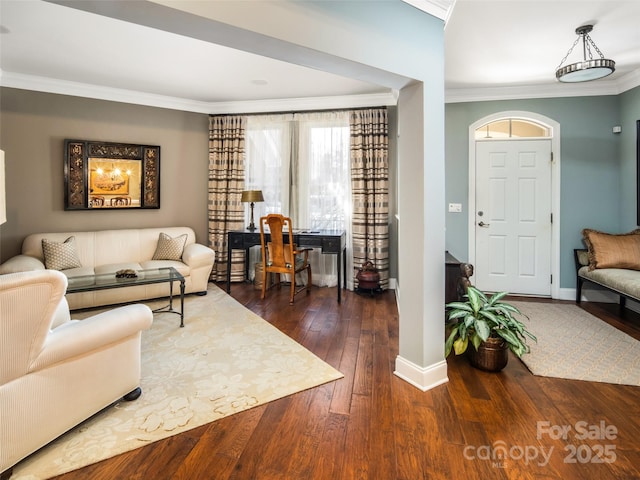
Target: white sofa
x=108 y=251
x=56 y=372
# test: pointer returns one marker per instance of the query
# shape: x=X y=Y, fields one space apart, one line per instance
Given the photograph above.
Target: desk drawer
x=236 y=242
x=308 y=241
x=331 y=244
x=243 y=240
x=251 y=239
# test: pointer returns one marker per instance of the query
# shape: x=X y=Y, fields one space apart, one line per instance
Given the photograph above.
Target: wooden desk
x=332 y=242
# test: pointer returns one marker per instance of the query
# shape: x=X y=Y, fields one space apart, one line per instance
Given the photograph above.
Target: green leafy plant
x=478 y=318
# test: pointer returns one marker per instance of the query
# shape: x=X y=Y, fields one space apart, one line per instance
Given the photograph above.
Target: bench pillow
x=608 y=250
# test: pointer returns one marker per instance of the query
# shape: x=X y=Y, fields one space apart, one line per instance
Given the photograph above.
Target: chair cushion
x=60 y=255
x=613 y=250
x=169 y=248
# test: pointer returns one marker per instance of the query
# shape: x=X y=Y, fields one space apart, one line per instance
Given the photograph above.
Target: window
x=267 y=164
x=324 y=191
x=512 y=128
x=301 y=163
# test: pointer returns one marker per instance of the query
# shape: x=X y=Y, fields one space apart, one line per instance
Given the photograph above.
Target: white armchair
x=56 y=372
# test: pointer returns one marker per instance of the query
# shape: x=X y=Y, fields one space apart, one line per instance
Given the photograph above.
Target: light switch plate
x=455 y=207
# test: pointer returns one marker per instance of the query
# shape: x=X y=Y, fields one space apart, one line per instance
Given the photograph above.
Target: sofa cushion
x=622 y=280
x=180 y=267
x=608 y=250
x=169 y=248
x=60 y=255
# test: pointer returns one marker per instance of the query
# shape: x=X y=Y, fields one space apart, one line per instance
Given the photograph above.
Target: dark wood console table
x=452 y=275
x=330 y=241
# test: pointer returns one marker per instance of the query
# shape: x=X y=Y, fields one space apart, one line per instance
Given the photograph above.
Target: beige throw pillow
x=60 y=256
x=170 y=248
x=607 y=250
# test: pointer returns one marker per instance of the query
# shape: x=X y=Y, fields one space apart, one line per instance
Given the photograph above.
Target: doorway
x=514 y=220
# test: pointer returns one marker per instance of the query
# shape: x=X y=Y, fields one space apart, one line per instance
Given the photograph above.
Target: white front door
x=513 y=216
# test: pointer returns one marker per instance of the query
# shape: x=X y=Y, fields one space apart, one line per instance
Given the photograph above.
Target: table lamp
x=252 y=196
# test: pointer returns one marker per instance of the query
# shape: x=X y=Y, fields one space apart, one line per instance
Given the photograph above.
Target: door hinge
x=551 y=217
x=551 y=157
x=551 y=279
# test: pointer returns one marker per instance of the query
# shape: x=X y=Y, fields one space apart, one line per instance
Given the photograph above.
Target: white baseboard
x=424 y=378
x=601 y=296
x=588 y=295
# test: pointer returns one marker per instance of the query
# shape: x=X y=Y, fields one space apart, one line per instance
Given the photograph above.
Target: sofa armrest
x=21 y=263
x=197 y=255
x=79 y=337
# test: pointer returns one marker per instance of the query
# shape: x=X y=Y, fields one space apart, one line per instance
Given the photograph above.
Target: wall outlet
x=455 y=207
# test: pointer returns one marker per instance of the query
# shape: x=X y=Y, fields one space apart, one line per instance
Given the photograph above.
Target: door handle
x=482 y=224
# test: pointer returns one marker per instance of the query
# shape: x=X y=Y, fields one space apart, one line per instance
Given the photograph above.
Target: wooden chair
x=281 y=257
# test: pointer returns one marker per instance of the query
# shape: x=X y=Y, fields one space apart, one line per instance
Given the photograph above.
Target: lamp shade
x=586 y=71
x=3 y=197
x=588 y=68
x=252 y=196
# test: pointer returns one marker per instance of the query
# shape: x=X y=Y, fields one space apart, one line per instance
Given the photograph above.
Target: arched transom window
x=512 y=128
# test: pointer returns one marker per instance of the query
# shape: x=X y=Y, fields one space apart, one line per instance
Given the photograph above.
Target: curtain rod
x=294 y=111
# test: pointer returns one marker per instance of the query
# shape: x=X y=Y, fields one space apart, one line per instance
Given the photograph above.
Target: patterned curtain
x=226 y=182
x=370 y=189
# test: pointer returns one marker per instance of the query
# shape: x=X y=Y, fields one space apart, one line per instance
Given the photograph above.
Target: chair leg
x=309 y=280
x=293 y=288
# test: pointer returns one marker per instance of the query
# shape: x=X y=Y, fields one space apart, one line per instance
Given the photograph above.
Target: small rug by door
x=225 y=360
x=574 y=344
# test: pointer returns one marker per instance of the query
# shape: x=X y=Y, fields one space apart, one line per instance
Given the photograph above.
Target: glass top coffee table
x=89 y=283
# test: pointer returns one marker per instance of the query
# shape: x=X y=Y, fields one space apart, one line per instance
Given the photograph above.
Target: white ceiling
x=493 y=49
x=511 y=49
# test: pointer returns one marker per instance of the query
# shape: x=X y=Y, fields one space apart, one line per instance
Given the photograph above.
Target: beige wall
x=33 y=127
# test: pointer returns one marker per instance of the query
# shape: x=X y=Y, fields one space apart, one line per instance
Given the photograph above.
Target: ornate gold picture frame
x=109 y=176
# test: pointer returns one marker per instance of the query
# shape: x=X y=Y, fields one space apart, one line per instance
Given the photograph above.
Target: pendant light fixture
x=589 y=68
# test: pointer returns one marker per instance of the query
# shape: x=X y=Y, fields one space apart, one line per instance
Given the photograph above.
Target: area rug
x=576 y=345
x=225 y=360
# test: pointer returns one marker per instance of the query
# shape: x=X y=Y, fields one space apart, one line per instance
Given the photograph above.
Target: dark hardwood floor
x=373 y=425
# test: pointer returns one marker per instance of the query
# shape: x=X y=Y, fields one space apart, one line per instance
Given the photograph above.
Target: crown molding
x=555 y=90
x=438 y=8
x=310 y=103
x=629 y=81
x=77 y=89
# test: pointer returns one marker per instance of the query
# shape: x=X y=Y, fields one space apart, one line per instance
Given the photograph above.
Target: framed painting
x=109 y=176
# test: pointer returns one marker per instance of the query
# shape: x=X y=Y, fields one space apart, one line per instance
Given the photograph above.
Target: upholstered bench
x=611 y=261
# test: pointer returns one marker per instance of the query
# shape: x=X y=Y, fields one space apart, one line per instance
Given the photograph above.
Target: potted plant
x=490 y=325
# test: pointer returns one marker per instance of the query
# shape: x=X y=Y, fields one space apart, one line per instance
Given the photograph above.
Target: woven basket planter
x=491 y=355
